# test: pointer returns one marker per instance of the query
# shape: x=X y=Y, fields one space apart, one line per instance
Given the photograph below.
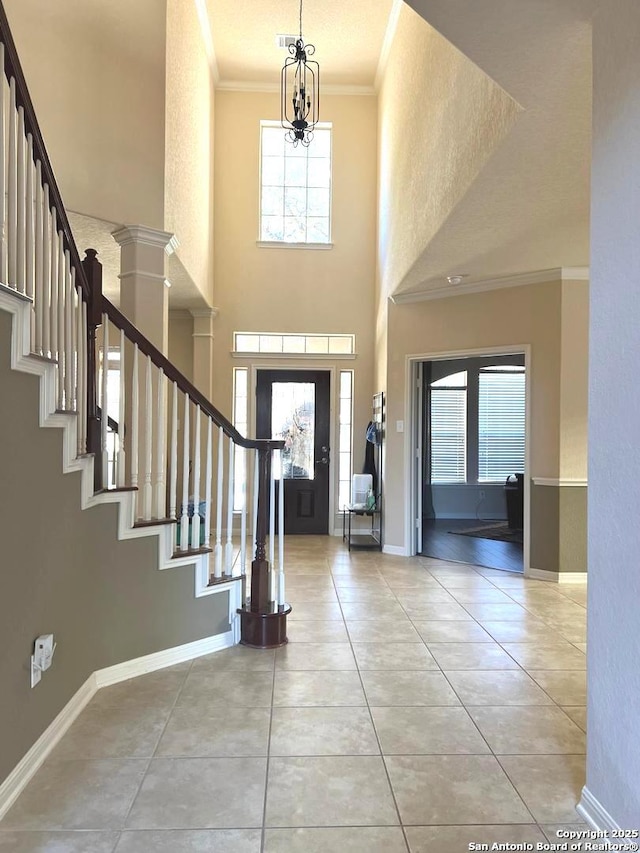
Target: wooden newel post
x=263 y=624
x=93 y=273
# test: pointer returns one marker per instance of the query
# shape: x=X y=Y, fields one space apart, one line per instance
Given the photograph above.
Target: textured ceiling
x=348 y=37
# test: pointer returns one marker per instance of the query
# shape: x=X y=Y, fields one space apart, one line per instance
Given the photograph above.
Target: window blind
x=501 y=425
x=448 y=435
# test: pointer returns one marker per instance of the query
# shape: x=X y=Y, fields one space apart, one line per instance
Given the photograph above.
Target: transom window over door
x=295 y=187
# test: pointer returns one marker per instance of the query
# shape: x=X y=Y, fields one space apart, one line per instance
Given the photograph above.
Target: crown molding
x=387 y=42
x=260 y=86
x=207 y=38
x=206 y=313
x=518 y=280
x=142 y=234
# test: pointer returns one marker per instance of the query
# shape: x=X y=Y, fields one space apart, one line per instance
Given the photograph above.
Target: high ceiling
x=348 y=37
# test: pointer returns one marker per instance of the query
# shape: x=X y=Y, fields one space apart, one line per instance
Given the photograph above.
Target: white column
x=203 y=349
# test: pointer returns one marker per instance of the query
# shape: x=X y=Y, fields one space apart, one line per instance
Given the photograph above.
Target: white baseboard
x=556 y=577
x=395 y=550
x=595 y=813
x=22 y=774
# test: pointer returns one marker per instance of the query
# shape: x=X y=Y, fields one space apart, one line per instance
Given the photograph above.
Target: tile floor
x=419 y=705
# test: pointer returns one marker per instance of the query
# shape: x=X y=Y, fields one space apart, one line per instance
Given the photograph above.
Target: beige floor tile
x=488 y=612
x=582 y=647
x=571 y=633
x=393 y=656
x=564 y=687
x=365 y=596
x=459 y=631
x=296 y=596
x=323 y=731
x=196 y=731
x=319 y=791
x=529 y=630
x=555 y=832
x=436 y=612
x=128 y=732
x=382 y=630
x=77 y=795
x=190 y=841
x=578 y=714
x=315 y=656
x=200 y=793
x=456 y=839
x=471 y=656
x=387 y=609
x=157 y=689
x=453 y=789
x=227 y=689
x=575 y=593
x=482 y=594
x=427 y=731
x=550 y=785
x=312 y=631
x=58 y=842
x=358 y=839
x=415 y=597
x=537 y=656
x=236 y=659
x=464 y=581
x=365 y=582
x=529 y=730
x=506 y=687
x=322 y=610
x=407 y=688
x=322 y=688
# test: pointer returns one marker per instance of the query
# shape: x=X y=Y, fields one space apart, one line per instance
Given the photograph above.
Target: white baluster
x=29 y=226
x=68 y=333
x=135 y=415
x=80 y=396
x=148 y=447
x=281 y=591
x=173 y=469
x=184 y=512
x=272 y=530
x=62 y=307
x=39 y=289
x=195 y=521
x=20 y=206
x=122 y=457
x=75 y=308
x=12 y=181
x=161 y=488
x=104 y=403
x=217 y=571
x=3 y=180
x=207 y=484
x=256 y=483
x=243 y=516
x=229 y=547
x=54 y=284
x=46 y=274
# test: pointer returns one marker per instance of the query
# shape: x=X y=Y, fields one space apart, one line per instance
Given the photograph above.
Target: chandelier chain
x=300 y=18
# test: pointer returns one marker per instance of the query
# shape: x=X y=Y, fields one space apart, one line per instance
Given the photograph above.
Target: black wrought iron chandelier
x=299 y=92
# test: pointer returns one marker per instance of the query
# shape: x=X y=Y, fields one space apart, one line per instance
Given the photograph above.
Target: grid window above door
x=295 y=187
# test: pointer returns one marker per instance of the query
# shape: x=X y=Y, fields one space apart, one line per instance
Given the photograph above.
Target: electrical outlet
x=482 y=494
x=35 y=672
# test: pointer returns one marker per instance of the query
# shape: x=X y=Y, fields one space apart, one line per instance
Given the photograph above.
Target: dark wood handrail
x=13 y=68
x=173 y=375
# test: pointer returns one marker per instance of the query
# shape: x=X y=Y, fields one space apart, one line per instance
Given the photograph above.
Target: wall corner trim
x=395 y=550
x=594 y=813
x=551 y=481
x=556 y=577
x=26 y=769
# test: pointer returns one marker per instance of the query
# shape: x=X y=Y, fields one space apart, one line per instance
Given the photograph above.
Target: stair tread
x=152 y=522
x=191 y=552
x=225 y=579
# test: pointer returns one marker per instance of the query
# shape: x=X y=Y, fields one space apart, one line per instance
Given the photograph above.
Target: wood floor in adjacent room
x=438 y=542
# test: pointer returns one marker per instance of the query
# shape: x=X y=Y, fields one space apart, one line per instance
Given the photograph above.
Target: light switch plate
x=399 y=426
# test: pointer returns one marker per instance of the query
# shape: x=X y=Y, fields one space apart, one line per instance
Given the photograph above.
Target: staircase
x=140 y=434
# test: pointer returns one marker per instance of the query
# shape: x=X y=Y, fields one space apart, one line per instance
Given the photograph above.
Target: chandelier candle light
x=299 y=92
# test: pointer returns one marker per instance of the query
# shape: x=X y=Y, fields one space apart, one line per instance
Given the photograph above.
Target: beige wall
x=96 y=75
x=63 y=571
x=296 y=290
x=432 y=145
x=181 y=342
x=515 y=316
x=189 y=143
x=574 y=380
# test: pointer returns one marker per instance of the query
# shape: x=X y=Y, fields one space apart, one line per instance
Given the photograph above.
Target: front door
x=294 y=405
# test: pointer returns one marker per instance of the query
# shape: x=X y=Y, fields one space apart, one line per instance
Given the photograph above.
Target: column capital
x=203 y=321
x=143 y=235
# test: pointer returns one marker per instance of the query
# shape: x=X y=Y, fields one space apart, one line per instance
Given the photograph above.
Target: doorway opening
x=471 y=424
x=294 y=406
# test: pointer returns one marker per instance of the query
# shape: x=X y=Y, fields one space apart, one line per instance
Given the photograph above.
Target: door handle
x=324 y=459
